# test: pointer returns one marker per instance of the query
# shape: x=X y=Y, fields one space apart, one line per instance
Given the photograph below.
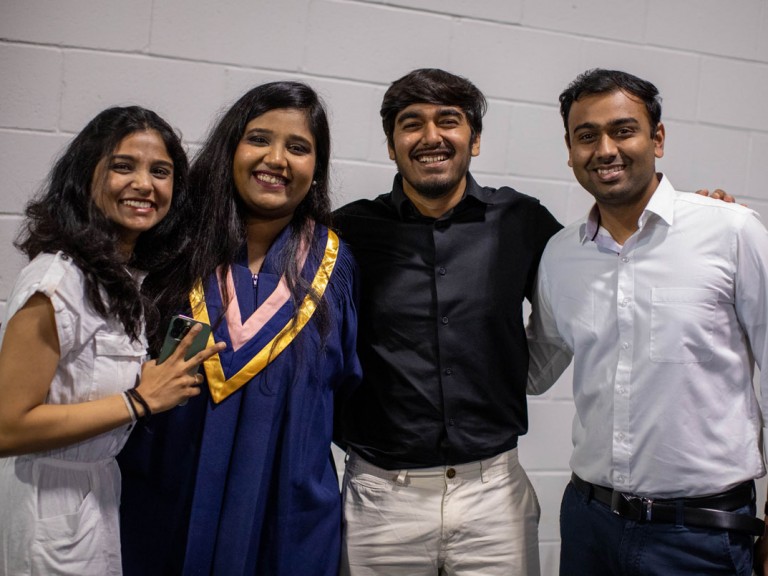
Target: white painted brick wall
x=61 y=61
x=622 y=20
x=31 y=87
x=108 y=26
x=266 y=33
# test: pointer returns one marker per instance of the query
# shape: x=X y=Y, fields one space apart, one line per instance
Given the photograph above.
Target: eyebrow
x=270 y=132
x=612 y=124
x=442 y=112
x=133 y=159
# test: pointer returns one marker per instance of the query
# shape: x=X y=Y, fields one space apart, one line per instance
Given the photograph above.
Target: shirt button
x=444 y=320
x=448 y=371
x=624 y=259
x=450 y=472
x=625 y=346
x=450 y=422
x=620 y=478
x=620 y=390
x=620 y=436
x=441 y=271
x=625 y=302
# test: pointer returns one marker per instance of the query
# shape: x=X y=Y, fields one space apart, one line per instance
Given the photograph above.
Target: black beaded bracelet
x=138 y=397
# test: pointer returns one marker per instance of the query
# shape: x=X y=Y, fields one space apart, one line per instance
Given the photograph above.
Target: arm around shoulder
x=548 y=354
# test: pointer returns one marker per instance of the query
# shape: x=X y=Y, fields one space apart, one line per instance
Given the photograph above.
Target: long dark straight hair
x=217 y=225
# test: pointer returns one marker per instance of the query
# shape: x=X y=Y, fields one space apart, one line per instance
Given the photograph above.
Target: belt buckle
x=633 y=507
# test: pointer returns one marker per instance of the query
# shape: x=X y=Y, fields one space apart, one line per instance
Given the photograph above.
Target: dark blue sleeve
x=346 y=286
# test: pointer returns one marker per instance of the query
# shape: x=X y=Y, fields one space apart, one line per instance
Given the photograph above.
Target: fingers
x=194 y=388
x=202 y=356
x=186 y=342
x=717 y=194
x=723 y=195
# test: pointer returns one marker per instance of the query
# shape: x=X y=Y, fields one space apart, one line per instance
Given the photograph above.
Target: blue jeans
x=596 y=542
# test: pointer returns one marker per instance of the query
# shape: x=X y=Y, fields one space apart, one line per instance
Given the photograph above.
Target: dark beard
x=434 y=190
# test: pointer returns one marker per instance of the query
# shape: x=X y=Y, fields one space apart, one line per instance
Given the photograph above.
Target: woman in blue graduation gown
x=241 y=479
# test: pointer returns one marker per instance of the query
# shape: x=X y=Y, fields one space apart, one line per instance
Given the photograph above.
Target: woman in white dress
x=72 y=344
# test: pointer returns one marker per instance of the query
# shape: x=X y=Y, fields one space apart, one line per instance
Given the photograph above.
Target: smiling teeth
x=429 y=159
x=138 y=203
x=270 y=179
x=611 y=170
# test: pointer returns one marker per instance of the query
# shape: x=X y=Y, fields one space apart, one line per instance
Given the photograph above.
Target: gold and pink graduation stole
x=220 y=386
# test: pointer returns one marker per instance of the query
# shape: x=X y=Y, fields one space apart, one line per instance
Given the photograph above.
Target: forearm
x=49 y=426
x=547 y=363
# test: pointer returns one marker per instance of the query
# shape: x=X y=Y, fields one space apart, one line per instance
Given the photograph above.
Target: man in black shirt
x=432 y=483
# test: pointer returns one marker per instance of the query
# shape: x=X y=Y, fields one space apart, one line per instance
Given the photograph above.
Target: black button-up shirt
x=441 y=335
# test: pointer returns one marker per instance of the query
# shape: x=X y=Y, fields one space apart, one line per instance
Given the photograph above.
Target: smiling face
x=133 y=186
x=611 y=149
x=432 y=147
x=274 y=164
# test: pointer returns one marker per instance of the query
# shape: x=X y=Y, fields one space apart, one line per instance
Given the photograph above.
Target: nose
x=431 y=134
x=606 y=147
x=142 y=181
x=275 y=157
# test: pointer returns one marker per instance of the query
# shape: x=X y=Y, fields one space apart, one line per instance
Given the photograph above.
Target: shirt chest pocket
x=117 y=363
x=682 y=324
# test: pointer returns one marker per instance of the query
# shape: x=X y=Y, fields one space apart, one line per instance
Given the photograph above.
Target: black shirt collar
x=406 y=209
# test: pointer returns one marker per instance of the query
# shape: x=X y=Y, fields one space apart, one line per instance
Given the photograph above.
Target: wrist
x=140 y=404
x=130 y=406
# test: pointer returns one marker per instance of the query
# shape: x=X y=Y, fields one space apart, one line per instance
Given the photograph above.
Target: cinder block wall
x=61 y=61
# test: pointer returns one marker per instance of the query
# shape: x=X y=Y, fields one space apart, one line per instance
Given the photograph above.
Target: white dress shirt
x=665 y=331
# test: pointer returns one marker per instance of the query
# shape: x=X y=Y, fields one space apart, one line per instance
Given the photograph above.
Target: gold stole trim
x=221 y=387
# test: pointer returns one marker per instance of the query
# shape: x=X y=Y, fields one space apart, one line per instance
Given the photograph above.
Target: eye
x=585 y=137
x=162 y=172
x=449 y=122
x=121 y=167
x=299 y=149
x=257 y=140
x=625 y=132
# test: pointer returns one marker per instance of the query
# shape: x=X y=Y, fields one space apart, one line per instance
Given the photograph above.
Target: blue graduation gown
x=248 y=486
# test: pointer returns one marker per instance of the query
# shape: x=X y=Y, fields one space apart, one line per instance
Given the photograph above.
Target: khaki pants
x=479 y=518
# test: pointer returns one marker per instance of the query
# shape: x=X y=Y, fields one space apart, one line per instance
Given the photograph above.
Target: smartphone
x=177 y=329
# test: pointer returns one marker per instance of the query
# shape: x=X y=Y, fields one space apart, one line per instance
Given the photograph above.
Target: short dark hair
x=64 y=217
x=432 y=86
x=600 y=81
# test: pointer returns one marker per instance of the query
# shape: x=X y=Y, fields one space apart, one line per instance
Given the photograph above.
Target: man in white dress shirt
x=662 y=299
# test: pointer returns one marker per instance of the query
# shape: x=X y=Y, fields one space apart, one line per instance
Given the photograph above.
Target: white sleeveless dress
x=59 y=508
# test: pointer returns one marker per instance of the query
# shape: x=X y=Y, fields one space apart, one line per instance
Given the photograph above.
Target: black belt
x=705 y=512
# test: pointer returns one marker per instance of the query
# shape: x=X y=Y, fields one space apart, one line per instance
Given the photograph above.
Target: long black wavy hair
x=217 y=227
x=63 y=216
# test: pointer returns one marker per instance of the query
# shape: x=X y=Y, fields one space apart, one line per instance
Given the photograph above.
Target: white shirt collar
x=661 y=204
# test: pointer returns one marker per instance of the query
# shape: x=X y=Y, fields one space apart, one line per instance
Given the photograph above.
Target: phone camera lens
x=178 y=328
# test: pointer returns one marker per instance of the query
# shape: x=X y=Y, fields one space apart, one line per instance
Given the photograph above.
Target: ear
x=568 y=146
x=475 y=150
x=658 y=141
x=391 y=151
